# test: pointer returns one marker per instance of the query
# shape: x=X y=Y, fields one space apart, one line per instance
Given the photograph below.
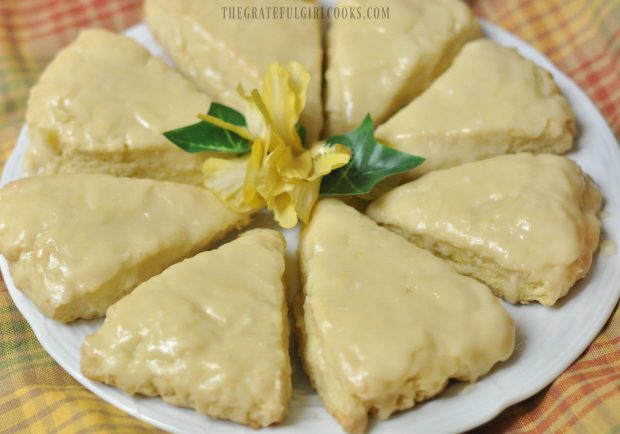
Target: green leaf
x=370 y=163
x=301 y=132
x=204 y=136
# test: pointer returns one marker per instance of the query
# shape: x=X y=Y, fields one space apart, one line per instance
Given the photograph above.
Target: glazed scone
x=491 y=101
x=102 y=105
x=219 y=53
x=377 y=66
x=77 y=243
x=385 y=324
x=526 y=225
x=210 y=333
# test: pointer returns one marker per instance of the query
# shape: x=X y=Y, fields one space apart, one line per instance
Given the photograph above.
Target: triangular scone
x=385 y=324
x=219 y=49
x=491 y=101
x=378 y=65
x=210 y=333
x=77 y=243
x=102 y=105
x=525 y=225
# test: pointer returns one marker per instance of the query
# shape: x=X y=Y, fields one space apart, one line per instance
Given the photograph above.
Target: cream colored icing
x=388 y=322
x=102 y=106
x=535 y=215
x=219 y=53
x=377 y=66
x=77 y=243
x=491 y=101
x=209 y=333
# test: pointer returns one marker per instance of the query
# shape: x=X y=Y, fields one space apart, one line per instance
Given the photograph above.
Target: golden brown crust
x=352 y=421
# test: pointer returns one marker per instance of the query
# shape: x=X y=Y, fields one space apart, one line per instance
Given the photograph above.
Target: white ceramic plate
x=548 y=340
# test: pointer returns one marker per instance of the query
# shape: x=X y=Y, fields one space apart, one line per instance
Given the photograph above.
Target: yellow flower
x=279 y=173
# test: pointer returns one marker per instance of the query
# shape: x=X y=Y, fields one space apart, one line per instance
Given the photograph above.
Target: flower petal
x=269 y=183
x=255 y=119
x=327 y=158
x=284 y=95
x=294 y=166
x=295 y=202
x=304 y=195
x=299 y=82
x=284 y=211
x=225 y=178
x=255 y=161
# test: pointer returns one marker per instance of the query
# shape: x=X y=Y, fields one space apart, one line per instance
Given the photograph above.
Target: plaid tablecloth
x=581 y=36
